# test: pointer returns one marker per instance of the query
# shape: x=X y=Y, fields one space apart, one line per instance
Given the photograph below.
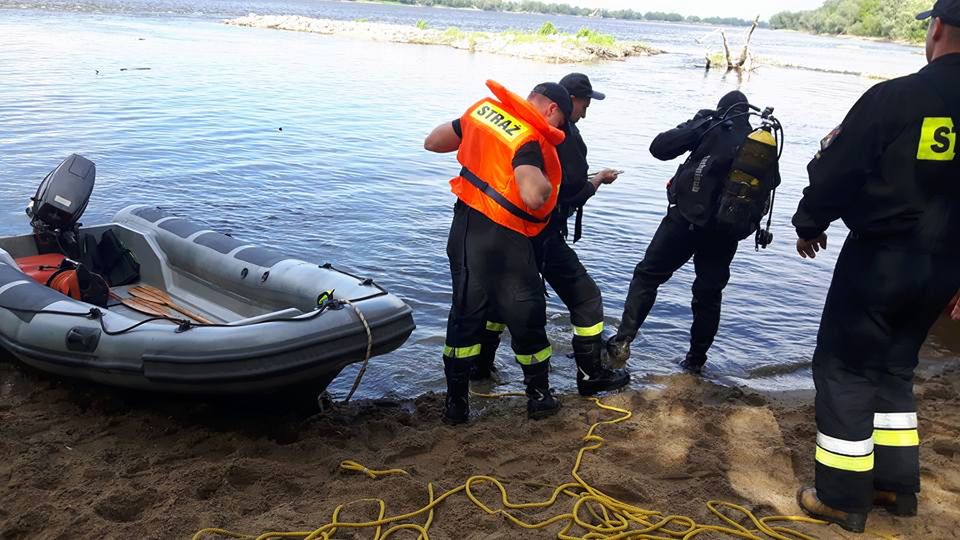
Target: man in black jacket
x=559 y=263
x=891 y=172
x=713 y=139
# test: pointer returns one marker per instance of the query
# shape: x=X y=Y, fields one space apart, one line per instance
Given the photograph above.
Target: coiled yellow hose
x=594 y=514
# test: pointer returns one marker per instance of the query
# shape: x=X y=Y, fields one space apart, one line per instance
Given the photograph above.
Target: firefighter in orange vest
x=559 y=263
x=506 y=190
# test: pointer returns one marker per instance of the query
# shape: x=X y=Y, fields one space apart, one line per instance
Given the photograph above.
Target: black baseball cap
x=557 y=94
x=579 y=86
x=947 y=10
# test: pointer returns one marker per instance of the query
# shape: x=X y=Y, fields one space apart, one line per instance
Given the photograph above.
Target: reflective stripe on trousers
x=854 y=456
x=496 y=326
x=461 y=352
x=895 y=429
x=535 y=358
x=588 y=331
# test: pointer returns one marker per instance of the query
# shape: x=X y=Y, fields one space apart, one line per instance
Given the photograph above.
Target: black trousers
x=674 y=243
x=562 y=269
x=881 y=304
x=494 y=269
x=569 y=279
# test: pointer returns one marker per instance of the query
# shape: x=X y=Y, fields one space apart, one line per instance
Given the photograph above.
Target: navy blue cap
x=557 y=94
x=947 y=10
x=579 y=86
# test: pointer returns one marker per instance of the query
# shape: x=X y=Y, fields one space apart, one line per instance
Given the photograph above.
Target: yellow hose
x=354 y=466
x=598 y=515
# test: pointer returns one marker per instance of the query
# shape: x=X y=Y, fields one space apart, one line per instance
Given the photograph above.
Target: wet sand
x=88 y=462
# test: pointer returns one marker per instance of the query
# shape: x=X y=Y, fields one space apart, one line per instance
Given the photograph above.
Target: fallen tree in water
x=748 y=62
x=545 y=44
x=757 y=62
x=745 y=60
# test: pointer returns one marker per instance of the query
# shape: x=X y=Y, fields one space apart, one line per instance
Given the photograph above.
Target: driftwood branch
x=726 y=49
x=746 y=44
x=745 y=56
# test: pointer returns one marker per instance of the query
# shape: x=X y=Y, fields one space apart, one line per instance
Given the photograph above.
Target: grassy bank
x=545 y=44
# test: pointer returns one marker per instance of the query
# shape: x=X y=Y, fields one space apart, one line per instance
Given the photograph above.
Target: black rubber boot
x=898 y=504
x=541 y=402
x=693 y=363
x=706 y=321
x=618 y=350
x=457 y=407
x=592 y=376
x=485 y=365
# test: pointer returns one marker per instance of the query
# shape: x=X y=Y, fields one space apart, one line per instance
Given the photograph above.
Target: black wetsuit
x=688 y=229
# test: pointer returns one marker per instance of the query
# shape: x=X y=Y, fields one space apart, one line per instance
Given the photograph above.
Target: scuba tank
x=749 y=187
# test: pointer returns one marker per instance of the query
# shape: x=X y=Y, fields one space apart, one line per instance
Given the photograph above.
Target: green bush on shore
x=547 y=32
x=547 y=29
x=596 y=38
x=454 y=33
x=888 y=19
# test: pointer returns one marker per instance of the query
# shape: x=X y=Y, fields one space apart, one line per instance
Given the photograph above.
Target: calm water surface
x=346 y=179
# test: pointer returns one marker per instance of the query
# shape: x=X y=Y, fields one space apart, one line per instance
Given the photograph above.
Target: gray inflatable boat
x=244 y=319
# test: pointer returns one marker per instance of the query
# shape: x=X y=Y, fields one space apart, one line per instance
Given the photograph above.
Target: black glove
x=702 y=119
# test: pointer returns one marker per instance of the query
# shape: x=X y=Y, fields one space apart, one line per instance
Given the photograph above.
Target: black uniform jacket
x=891 y=170
x=575 y=189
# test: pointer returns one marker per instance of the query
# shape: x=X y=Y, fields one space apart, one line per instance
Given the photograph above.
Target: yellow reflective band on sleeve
x=496 y=326
x=461 y=352
x=589 y=331
x=845 y=463
x=536 y=358
x=896 y=437
x=938 y=140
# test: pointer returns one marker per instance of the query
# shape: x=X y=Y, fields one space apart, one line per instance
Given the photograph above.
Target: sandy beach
x=346 y=180
x=89 y=462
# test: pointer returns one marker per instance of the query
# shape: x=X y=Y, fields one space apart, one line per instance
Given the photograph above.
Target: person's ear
x=937 y=28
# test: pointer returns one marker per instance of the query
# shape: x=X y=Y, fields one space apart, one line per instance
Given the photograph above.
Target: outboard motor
x=60 y=201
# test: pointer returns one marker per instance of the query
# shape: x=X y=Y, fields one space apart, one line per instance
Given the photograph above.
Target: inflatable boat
x=183 y=309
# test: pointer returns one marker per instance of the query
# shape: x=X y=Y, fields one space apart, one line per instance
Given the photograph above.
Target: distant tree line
x=889 y=19
x=533 y=6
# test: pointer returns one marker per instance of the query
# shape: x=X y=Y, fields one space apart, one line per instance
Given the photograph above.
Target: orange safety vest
x=41 y=267
x=81 y=284
x=66 y=282
x=493 y=131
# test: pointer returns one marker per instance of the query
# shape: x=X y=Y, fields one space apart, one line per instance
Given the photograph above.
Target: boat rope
x=97 y=315
x=183 y=325
x=366 y=356
x=594 y=514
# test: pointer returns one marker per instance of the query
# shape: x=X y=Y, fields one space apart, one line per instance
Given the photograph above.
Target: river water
x=313 y=144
